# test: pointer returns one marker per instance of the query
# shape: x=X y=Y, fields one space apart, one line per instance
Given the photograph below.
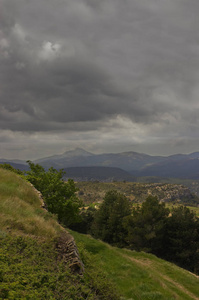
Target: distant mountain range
x=127 y=161
x=21 y=166
x=108 y=174
x=136 y=164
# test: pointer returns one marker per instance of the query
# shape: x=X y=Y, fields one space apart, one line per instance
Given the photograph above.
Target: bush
x=59 y=196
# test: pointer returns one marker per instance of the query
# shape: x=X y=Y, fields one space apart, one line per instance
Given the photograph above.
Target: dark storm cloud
x=81 y=65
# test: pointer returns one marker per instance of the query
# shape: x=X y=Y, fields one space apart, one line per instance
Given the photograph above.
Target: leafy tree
x=59 y=196
x=108 y=221
x=182 y=238
x=146 y=226
x=87 y=217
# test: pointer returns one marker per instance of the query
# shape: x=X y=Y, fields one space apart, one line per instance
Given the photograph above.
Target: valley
x=93 y=192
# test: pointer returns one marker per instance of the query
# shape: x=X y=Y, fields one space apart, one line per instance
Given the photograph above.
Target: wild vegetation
x=20 y=209
x=140 y=275
x=59 y=196
x=94 y=192
x=192 y=184
x=144 y=228
x=150 y=227
x=108 y=220
x=29 y=263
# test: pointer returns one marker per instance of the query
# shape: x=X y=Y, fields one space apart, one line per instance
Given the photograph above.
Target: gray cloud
x=83 y=68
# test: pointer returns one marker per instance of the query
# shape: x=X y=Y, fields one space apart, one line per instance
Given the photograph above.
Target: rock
x=68 y=252
x=66 y=246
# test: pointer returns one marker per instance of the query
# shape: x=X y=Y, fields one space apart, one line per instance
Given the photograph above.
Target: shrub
x=59 y=196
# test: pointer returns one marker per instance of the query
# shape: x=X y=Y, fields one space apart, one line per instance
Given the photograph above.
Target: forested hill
x=98 y=173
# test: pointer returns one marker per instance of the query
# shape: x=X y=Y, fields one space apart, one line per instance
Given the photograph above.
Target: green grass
x=139 y=275
x=30 y=270
x=194 y=209
x=30 y=267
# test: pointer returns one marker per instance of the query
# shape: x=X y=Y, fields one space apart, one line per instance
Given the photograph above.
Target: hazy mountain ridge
x=78 y=152
x=98 y=173
x=137 y=164
x=16 y=161
x=20 y=166
x=185 y=168
x=80 y=158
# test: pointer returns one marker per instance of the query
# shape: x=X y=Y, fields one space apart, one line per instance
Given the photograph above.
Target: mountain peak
x=77 y=152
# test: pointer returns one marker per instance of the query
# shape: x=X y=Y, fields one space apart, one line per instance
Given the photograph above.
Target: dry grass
x=20 y=208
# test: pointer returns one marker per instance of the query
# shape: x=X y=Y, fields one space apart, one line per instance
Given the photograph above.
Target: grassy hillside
x=20 y=209
x=139 y=275
x=98 y=173
x=30 y=267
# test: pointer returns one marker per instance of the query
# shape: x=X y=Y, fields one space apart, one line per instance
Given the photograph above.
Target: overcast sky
x=106 y=76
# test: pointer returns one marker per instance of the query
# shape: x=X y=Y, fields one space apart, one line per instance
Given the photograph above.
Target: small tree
x=108 y=222
x=182 y=239
x=146 y=226
x=59 y=196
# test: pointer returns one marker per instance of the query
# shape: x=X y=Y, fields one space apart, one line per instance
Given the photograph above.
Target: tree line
x=150 y=227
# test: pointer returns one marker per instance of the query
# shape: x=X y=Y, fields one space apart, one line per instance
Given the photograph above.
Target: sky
x=105 y=76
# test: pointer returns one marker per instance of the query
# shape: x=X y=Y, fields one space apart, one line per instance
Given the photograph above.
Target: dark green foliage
x=108 y=222
x=146 y=226
x=87 y=217
x=182 y=239
x=59 y=196
x=30 y=270
x=174 y=236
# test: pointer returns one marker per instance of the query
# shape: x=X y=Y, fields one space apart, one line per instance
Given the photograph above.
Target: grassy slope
x=20 y=209
x=139 y=275
x=29 y=268
x=29 y=265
